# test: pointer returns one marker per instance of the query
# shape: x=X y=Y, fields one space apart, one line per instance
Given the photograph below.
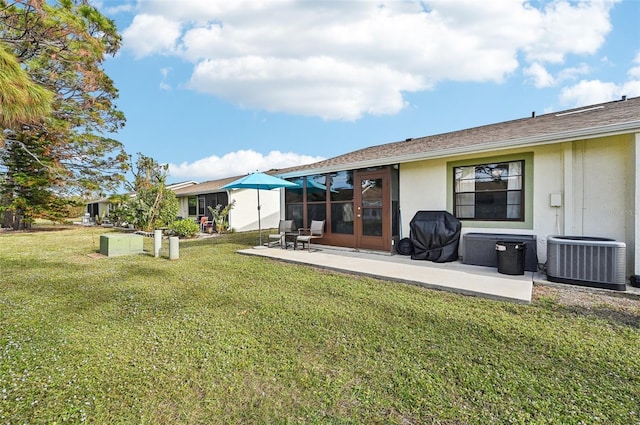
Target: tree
x=221 y=216
x=120 y=212
x=153 y=205
x=61 y=46
x=27 y=183
x=21 y=100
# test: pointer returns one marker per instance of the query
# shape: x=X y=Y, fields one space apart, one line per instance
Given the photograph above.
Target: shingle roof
x=180 y=185
x=210 y=186
x=621 y=116
x=205 y=187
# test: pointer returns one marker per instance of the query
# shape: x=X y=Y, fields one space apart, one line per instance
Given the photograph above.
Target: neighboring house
x=575 y=172
x=102 y=206
x=195 y=200
x=98 y=208
x=181 y=185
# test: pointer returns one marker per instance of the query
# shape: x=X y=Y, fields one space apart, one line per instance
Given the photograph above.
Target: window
x=201 y=206
x=371 y=198
x=193 y=205
x=341 y=185
x=489 y=191
x=294 y=201
x=310 y=200
x=316 y=190
x=212 y=200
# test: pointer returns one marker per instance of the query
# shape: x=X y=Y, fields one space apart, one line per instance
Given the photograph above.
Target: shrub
x=220 y=216
x=184 y=228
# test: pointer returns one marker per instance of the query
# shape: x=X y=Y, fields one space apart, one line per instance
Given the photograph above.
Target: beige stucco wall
x=601 y=176
x=183 y=207
x=595 y=178
x=423 y=186
x=103 y=209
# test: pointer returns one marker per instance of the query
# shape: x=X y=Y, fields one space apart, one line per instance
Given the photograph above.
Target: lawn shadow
x=610 y=314
x=41 y=229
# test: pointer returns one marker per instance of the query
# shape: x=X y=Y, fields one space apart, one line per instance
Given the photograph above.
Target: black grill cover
x=435 y=236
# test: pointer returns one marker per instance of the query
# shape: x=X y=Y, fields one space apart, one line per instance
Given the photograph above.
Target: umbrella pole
x=259 y=226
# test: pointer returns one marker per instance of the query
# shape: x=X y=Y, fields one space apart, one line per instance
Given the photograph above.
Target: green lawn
x=217 y=337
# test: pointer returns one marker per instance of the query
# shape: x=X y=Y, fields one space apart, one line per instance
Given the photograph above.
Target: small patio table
x=289 y=239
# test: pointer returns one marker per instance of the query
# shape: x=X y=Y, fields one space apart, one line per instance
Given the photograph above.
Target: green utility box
x=115 y=244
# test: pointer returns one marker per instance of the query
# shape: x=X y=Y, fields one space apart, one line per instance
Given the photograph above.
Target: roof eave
x=200 y=192
x=545 y=139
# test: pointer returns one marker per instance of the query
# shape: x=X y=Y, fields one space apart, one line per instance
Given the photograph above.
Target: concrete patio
x=454 y=277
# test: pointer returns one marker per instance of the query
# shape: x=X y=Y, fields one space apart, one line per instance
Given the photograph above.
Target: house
x=98 y=208
x=194 y=202
x=575 y=172
x=101 y=207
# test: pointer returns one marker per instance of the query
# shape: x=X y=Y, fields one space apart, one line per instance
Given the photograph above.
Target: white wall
x=103 y=210
x=183 y=207
x=548 y=179
x=601 y=183
x=423 y=186
x=596 y=180
x=244 y=216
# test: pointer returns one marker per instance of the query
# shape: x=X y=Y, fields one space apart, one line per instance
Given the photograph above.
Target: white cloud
x=588 y=92
x=149 y=34
x=330 y=90
x=572 y=73
x=342 y=60
x=569 y=28
x=165 y=73
x=539 y=75
x=237 y=163
x=112 y=9
x=634 y=72
x=631 y=88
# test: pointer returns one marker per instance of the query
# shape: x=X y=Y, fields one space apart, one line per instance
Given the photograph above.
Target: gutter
x=545 y=139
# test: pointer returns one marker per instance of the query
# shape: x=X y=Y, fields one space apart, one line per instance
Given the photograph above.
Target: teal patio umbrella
x=259 y=181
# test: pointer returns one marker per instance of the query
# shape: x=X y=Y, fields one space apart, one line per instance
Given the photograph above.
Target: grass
x=217 y=337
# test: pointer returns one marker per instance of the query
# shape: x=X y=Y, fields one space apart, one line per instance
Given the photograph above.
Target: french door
x=372 y=222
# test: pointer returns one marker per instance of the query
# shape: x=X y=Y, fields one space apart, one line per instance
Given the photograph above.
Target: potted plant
x=220 y=216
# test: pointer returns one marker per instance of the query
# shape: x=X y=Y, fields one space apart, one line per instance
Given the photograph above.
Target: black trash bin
x=510 y=257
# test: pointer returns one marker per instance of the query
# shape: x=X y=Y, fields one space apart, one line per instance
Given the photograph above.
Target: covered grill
x=435 y=236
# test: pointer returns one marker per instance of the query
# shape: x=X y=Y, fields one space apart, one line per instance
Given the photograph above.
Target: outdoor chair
x=203 y=222
x=315 y=231
x=284 y=228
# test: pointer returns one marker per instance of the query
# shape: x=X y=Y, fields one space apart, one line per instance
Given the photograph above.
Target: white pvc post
x=174 y=248
x=157 y=243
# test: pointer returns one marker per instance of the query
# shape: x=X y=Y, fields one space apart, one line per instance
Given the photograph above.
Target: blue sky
x=224 y=88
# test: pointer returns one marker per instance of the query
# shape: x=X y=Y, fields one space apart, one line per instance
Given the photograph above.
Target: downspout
x=582 y=182
x=636 y=207
x=567 y=163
